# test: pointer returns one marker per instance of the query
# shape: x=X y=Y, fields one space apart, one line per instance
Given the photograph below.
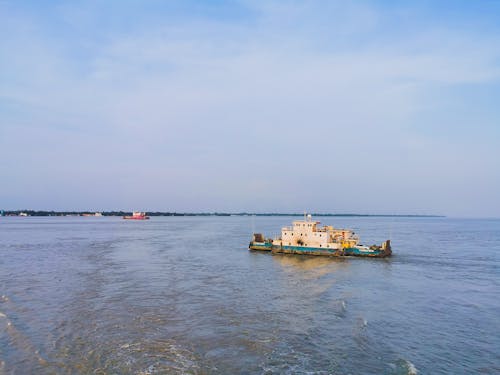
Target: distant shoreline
x=160 y=213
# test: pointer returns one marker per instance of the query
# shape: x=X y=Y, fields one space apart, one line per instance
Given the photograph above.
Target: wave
x=404 y=367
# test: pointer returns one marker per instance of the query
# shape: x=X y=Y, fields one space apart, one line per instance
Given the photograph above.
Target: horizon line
x=201 y=213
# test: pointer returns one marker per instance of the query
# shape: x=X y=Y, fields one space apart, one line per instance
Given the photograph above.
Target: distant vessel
x=137 y=216
x=96 y=214
x=306 y=237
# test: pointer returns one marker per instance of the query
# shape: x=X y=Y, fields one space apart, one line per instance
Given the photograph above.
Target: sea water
x=183 y=295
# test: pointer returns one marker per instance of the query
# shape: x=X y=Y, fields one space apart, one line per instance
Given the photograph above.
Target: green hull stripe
x=304 y=249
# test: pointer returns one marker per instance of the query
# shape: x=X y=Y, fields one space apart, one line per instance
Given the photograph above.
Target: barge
x=137 y=216
x=308 y=238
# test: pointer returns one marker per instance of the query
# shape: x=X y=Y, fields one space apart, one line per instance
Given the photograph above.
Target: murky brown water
x=182 y=295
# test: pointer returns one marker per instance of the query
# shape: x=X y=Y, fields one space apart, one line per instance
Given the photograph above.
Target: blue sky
x=326 y=106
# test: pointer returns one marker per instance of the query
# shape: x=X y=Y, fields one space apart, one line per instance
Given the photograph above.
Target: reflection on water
x=184 y=295
x=314 y=265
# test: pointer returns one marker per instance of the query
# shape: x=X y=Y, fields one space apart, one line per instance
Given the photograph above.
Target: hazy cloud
x=326 y=106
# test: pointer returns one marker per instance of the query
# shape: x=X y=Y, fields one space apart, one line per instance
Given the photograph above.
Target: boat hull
x=261 y=246
x=136 y=218
x=378 y=252
x=304 y=250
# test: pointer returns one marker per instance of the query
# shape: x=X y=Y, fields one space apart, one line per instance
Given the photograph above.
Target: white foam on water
x=412 y=370
x=163 y=357
x=22 y=342
x=403 y=367
x=149 y=371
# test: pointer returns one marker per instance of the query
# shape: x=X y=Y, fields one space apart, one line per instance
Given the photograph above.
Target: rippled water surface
x=181 y=295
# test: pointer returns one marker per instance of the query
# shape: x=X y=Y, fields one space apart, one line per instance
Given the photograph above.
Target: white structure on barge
x=307 y=237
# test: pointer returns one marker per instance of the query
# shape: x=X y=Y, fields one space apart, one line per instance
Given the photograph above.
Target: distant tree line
x=161 y=213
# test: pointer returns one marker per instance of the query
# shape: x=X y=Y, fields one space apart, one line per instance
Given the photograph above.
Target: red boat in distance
x=137 y=216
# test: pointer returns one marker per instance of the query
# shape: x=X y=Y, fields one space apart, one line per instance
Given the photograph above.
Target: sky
x=377 y=107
